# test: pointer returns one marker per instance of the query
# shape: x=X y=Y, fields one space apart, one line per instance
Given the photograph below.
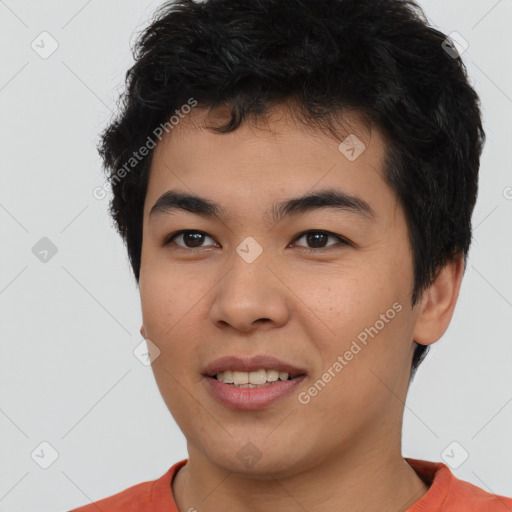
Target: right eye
x=191 y=237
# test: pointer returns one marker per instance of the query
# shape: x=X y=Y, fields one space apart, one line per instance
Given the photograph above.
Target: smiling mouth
x=255 y=379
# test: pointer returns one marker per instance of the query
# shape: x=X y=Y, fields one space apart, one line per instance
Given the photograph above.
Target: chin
x=245 y=458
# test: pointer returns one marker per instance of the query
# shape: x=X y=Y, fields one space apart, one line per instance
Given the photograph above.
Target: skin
x=342 y=450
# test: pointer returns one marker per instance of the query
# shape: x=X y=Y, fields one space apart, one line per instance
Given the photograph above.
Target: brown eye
x=191 y=239
x=318 y=240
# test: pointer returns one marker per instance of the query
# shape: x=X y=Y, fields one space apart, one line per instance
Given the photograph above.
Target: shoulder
x=451 y=494
x=476 y=499
x=128 y=500
x=150 y=495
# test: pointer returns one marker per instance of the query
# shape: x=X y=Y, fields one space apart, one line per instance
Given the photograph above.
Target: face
x=324 y=289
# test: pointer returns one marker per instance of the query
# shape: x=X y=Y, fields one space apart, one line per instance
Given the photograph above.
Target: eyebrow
x=174 y=200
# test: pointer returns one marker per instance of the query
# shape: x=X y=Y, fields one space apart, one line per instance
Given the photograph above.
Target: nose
x=251 y=295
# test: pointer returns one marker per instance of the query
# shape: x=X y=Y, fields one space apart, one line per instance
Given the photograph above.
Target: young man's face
x=343 y=315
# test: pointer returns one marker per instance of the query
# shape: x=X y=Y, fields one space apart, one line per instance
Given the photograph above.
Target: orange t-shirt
x=446 y=494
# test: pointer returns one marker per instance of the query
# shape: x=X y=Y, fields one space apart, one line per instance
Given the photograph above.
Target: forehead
x=267 y=159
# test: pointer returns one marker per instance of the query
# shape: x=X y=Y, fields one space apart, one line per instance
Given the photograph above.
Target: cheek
x=351 y=300
x=159 y=308
x=368 y=315
x=359 y=393
x=171 y=303
x=166 y=298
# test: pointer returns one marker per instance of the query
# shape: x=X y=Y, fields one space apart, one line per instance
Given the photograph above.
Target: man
x=294 y=181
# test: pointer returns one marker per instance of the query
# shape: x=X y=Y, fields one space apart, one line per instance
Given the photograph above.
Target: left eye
x=194 y=239
x=317 y=237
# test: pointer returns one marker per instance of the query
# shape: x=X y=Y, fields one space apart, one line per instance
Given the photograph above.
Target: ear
x=143 y=332
x=438 y=303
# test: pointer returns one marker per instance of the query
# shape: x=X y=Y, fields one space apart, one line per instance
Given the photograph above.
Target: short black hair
x=379 y=58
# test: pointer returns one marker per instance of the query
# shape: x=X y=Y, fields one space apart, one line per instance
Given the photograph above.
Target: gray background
x=68 y=326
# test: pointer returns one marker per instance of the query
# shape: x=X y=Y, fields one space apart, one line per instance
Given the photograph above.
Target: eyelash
x=344 y=242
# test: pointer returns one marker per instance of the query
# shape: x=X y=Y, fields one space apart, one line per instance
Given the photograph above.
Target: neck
x=355 y=480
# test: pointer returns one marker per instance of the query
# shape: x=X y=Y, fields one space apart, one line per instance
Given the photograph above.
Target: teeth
x=273 y=375
x=227 y=377
x=240 y=378
x=259 y=377
x=251 y=385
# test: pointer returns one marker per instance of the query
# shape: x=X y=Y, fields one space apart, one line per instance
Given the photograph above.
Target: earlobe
x=143 y=332
x=438 y=303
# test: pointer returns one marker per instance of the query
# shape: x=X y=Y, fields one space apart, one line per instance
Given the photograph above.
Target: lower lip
x=251 y=398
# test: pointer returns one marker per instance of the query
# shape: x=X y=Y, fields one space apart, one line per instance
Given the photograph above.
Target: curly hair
x=377 y=57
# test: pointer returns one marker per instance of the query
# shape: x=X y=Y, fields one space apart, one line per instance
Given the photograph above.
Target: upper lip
x=250 y=364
